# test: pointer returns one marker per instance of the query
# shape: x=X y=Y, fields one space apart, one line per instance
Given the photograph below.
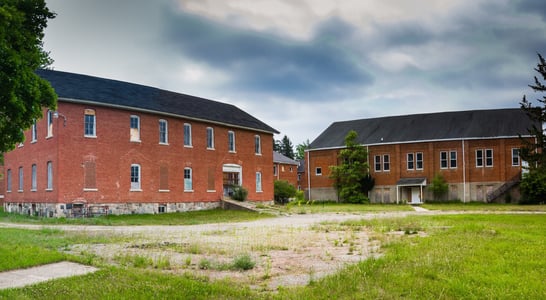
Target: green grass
x=184 y=218
x=481 y=206
x=464 y=257
x=470 y=256
x=333 y=207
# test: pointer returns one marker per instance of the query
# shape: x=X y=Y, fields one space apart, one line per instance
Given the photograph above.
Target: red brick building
x=477 y=153
x=285 y=168
x=116 y=147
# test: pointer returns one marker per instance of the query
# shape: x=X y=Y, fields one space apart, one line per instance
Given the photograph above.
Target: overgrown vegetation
x=533 y=185
x=351 y=175
x=439 y=187
x=283 y=191
x=239 y=193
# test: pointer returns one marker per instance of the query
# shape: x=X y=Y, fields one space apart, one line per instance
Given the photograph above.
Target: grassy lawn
x=457 y=256
x=480 y=206
x=333 y=207
x=185 y=218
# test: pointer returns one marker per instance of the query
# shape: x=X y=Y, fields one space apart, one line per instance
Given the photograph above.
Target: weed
x=243 y=262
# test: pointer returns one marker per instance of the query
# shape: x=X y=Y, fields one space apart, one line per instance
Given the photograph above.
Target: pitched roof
x=79 y=88
x=281 y=159
x=428 y=127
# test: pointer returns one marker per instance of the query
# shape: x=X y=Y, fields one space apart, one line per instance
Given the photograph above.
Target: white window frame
x=89 y=116
x=134 y=132
x=386 y=163
x=419 y=163
x=410 y=162
x=479 y=158
x=163 y=132
x=257 y=145
x=452 y=158
x=231 y=141
x=210 y=138
x=9 y=180
x=444 y=159
x=33 y=178
x=49 y=124
x=49 y=170
x=515 y=157
x=188 y=180
x=187 y=135
x=318 y=171
x=377 y=163
x=259 y=182
x=21 y=179
x=34 y=136
x=489 y=158
x=135 y=177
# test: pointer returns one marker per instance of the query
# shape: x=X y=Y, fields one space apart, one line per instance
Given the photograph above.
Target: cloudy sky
x=299 y=65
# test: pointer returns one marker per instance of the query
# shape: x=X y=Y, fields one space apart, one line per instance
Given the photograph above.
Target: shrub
x=283 y=191
x=243 y=262
x=439 y=187
x=239 y=193
x=533 y=188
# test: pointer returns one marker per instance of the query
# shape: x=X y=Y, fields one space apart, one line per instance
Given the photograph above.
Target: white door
x=415 y=195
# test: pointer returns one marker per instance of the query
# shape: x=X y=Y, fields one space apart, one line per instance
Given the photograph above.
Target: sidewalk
x=23 y=277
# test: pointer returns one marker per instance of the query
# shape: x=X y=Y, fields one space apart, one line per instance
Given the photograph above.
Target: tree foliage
x=533 y=186
x=438 y=186
x=300 y=149
x=350 y=174
x=283 y=191
x=284 y=147
x=23 y=94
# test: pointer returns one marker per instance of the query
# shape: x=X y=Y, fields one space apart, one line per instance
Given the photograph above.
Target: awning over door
x=415 y=186
x=412 y=182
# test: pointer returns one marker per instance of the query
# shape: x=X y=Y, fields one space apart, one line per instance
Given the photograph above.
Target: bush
x=283 y=191
x=239 y=193
x=533 y=188
x=243 y=262
x=439 y=187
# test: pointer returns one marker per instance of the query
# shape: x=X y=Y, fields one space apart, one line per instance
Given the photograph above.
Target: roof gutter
x=131 y=108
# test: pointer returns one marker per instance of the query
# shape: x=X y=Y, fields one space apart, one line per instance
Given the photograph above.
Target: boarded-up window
x=163 y=178
x=90 y=180
x=210 y=180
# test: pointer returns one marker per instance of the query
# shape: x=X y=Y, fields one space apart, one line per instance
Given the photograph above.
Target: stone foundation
x=75 y=210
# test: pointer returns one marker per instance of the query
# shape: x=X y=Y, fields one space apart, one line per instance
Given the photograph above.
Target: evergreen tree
x=287 y=149
x=533 y=185
x=23 y=94
x=351 y=175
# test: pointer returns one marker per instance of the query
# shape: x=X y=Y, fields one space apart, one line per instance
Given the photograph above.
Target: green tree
x=300 y=149
x=533 y=186
x=287 y=149
x=283 y=191
x=23 y=94
x=438 y=186
x=350 y=175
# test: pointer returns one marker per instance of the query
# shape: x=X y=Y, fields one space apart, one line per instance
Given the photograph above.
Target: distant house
x=120 y=148
x=477 y=152
x=285 y=168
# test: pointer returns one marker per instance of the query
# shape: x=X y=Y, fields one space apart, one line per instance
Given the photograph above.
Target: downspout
x=464 y=174
x=308 y=175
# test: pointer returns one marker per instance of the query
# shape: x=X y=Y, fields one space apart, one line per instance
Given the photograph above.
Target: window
x=20 y=179
x=453 y=159
x=34 y=132
x=33 y=181
x=318 y=171
x=49 y=123
x=210 y=138
x=9 y=183
x=257 y=145
x=163 y=132
x=275 y=170
x=188 y=186
x=488 y=157
x=515 y=157
x=49 y=176
x=419 y=160
x=187 y=135
x=377 y=163
x=479 y=158
x=231 y=141
x=134 y=129
x=135 y=177
x=386 y=163
x=258 y=182
x=443 y=160
x=89 y=123
x=411 y=165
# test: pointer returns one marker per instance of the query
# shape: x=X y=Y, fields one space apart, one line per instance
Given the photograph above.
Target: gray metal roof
x=411 y=181
x=282 y=159
x=101 y=91
x=428 y=127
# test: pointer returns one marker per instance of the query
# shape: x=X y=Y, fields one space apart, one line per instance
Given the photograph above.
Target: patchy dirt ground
x=287 y=251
